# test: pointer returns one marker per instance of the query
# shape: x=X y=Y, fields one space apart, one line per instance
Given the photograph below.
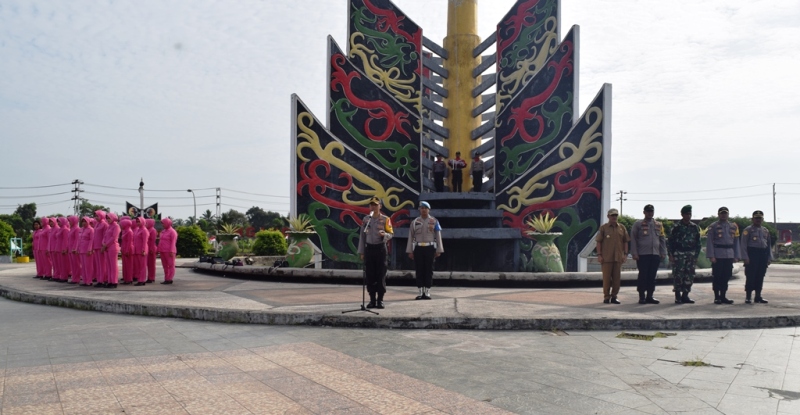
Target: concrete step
x=466 y=233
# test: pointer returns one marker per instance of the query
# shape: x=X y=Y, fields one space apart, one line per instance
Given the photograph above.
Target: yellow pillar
x=462 y=38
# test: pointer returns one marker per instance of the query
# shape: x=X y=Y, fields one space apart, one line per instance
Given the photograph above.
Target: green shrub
x=192 y=241
x=6 y=233
x=269 y=243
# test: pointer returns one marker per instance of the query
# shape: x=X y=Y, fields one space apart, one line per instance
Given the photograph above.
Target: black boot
x=747 y=297
x=379 y=303
x=641 y=298
x=650 y=300
x=760 y=299
x=678 y=298
x=372 y=303
x=685 y=298
x=717 y=297
x=724 y=299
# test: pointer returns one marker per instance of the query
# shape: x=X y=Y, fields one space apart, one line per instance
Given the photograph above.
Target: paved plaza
x=66 y=361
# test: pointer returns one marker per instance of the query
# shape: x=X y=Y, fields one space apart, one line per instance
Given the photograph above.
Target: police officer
x=757 y=256
x=648 y=248
x=376 y=230
x=424 y=245
x=476 y=169
x=684 y=247
x=439 y=168
x=457 y=164
x=722 y=248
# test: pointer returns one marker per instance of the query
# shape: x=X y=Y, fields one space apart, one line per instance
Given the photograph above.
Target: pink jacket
x=52 y=245
x=169 y=238
x=151 y=234
x=74 y=233
x=127 y=236
x=111 y=236
x=44 y=235
x=99 y=230
x=140 y=237
x=86 y=236
x=63 y=234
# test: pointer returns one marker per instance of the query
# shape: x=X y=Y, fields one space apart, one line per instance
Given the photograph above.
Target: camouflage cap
x=686 y=209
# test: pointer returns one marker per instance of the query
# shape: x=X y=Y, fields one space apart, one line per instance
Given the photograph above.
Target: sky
x=195 y=95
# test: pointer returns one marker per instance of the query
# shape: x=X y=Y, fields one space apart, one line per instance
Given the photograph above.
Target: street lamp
x=194 y=218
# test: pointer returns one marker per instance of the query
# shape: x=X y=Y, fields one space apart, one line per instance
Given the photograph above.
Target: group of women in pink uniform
x=87 y=250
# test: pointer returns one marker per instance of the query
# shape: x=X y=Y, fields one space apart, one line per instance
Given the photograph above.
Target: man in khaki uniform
x=612 y=251
x=424 y=245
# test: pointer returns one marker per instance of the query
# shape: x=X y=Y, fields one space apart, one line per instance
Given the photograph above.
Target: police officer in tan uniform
x=376 y=231
x=757 y=255
x=722 y=248
x=424 y=245
x=648 y=249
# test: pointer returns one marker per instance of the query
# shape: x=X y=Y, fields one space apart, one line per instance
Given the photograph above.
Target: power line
x=160 y=197
x=29 y=196
x=253 y=194
x=147 y=190
x=701 y=191
x=693 y=200
x=34 y=187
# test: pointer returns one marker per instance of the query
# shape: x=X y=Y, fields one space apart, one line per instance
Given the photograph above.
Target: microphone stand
x=363 y=296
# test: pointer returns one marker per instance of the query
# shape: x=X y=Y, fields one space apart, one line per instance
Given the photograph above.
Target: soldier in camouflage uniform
x=684 y=247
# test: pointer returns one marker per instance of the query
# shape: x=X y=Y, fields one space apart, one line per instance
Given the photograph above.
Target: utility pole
x=219 y=203
x=141 y=197
x=76 y=198
x=774 y=211
x=622 y=194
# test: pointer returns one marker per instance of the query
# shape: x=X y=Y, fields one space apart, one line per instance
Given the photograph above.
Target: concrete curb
x=371 y=321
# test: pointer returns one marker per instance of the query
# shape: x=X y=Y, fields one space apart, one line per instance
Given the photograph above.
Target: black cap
x=758 y=214
x=722 y=209
x=649 y=208
x=686 y=209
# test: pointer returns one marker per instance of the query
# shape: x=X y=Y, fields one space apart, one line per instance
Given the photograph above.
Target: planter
x=228 y=246
x=301 y=250
x=545 y=254
x=22 y=259
x=702 y=259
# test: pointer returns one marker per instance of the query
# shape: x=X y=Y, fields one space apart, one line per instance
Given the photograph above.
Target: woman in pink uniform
x=85 y=251
x=151 y=249
x=55 y=248
x=127 y=251
x=44 y=248
x=111 y=251
x=63 y=240
x=140 y=251
x=97 y=248
x=37 y=227
x=74 y=258
x=167 y=249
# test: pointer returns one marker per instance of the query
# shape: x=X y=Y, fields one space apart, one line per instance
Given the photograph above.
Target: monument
x=396 y=99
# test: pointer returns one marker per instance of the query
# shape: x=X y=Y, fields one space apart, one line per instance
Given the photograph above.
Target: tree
x=27 y=212
x=6 y=233
x=261 y=219
x=192 y=241
x=21 y=227
x=88 y=209
x=233 y=217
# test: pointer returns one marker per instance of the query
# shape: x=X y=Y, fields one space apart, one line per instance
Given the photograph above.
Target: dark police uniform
x=755 y=251
x=439 y=168
x=476 y=169
x=722 y=244
x=372 y=245
x=457 y=165
x=424 y=241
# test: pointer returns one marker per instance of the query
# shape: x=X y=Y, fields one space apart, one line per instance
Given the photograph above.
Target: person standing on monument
x=648 y=248
x=376 y=231
x=423 y=247
x=756 y=252
x=722 y=248
x=684 y=247
x=456 y=165
x=612 y=251
x=439 y=169
x=476 y=169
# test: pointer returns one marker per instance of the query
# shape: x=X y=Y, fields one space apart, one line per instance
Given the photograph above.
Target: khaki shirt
x=755 y=237
x=424 y=231
x=614 y=240
x=648 y=238
x=723 y=240
x=370 y=231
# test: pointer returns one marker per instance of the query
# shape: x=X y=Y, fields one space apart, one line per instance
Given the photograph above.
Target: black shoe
x=723 y=298
x=642 y=300
x=379 y=305
x=167 y=282
x=686 y=300
x=678 y=298
x=761 y=300
x=372 y=304
x=747 y=297
x=37 y=277
x=126 y=283
x=72 y=282
x=151 y=281
x=138 y=284
x=651 y=300
x=615 y=301
x=111 y=285
x=419 y=297
x=426 y=297
x=100 y=285
x=717 y=301
x=606 y=301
